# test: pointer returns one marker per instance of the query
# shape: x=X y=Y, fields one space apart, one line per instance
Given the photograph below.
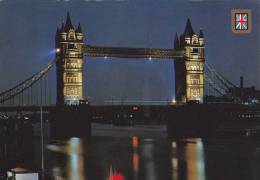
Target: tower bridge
x=188 y=52
x=192 y=73
x=192 y=77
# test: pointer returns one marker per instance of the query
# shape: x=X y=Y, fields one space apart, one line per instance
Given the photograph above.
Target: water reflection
x=153 y=159
x=135 y=144
x=75 y=165
x=149 y=162
x=114 y=175
x=73 y=152
x=188 y=160
x=174 y=161
x=195 y=160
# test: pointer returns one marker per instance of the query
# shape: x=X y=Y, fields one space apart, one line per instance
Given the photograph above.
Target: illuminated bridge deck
x=125 y=52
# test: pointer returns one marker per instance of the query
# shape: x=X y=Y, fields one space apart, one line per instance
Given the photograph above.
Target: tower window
x=194 y=68
x=71 y=35
x=71 y=46
x=72 y=65
x=70 y=91
x=72 y=79
x=195 y=93
x=195 y=50
x=195 y=81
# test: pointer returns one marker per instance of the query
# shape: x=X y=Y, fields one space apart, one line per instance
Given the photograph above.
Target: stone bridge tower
x=189 y=70
x=69 y=43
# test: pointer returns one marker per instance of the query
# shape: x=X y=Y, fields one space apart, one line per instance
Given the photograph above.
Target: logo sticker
x=241 y=20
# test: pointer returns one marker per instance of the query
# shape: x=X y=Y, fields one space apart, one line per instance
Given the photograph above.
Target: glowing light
x=75 y=166
x=136 y=163
x=174 y=145
x=175 y=168
x=105 y=57
x=58 y=50
x=135 y=141
x=150 y=58
x=116 y=176
x=75 y=146
x=173 y=101
x=196 y=165
x=135 y=108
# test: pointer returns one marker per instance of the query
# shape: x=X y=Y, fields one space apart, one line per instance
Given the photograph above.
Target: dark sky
x=27 y=30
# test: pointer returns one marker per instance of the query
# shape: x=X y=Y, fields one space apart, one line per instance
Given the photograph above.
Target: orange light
x=135 y=141
x=136 y=163
x=135 y=108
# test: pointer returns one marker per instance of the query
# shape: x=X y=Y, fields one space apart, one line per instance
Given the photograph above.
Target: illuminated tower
x=190 y=72
x=69 y=43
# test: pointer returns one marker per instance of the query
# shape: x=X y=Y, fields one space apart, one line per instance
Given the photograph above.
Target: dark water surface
x=136 y=158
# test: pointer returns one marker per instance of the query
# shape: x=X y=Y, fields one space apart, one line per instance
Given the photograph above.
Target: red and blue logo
x=241 y=20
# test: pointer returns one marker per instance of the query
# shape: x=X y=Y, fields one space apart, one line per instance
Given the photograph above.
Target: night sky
x=28 y=27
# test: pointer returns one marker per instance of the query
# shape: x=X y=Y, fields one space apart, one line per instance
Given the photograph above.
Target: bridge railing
x=95 y=51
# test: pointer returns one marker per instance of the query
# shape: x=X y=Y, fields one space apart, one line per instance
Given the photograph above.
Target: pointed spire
x=176 y=39
x=188 y=29
x=182 y=40
x=58 y=31
x=201 y=35
x=79 y=29
x=176 y=42
x=62 y=29
x=68 y=24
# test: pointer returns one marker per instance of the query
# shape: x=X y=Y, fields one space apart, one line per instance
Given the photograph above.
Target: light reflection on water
x=75 y=165
x=75 y=159
x=149 y=159
x=195 y=161
x=190 y=153
x=135 y=144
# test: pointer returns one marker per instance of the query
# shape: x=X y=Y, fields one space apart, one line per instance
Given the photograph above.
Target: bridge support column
x=69 y=49
x=71 y=121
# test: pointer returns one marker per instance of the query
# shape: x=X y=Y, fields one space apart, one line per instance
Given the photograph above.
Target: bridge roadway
x=118 y=108
x=125 y=52
x=132 y=108
x=25 y=108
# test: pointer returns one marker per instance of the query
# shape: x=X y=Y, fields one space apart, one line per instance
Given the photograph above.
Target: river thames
x=140 y=158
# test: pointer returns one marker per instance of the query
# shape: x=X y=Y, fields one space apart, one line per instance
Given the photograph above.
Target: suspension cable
x=225 y=81
x=214 y=85
x=18 y=89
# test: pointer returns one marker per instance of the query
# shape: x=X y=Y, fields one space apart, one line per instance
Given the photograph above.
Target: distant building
x=246 y=94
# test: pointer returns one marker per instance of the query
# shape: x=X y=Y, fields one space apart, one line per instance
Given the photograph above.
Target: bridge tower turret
x=69 y=49
x=192 y=70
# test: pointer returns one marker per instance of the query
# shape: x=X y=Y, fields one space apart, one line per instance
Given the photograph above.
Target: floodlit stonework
x=69 y=43
x=189 y=75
